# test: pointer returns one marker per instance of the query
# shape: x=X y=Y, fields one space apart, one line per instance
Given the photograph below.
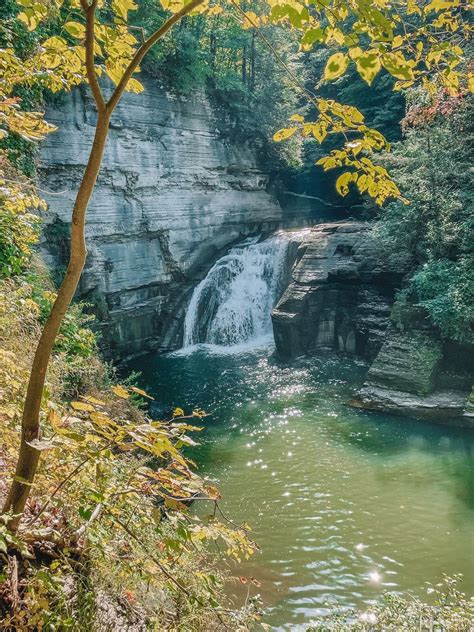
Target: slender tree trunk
x=244 y=65
x=30 y=430
x=252 y=63
x=28 y=456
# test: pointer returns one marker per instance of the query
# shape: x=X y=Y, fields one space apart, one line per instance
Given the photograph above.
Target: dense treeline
x=432 y=237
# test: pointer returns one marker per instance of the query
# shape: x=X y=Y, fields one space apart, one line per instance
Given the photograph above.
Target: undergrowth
x=107 y=541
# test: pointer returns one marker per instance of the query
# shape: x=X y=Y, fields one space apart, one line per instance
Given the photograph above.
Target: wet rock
x=468 y=412
x=340 y=295
x=407 y=361
x=440 y=406
x=410 y=374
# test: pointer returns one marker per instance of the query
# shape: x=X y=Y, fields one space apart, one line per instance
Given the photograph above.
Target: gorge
x=171 y=198
x=195 y=258
x=174 y=196
x=236 y=316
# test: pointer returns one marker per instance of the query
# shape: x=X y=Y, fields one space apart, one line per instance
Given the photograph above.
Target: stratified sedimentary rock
x=340 y=295
x=171 y=196
x=411 y=375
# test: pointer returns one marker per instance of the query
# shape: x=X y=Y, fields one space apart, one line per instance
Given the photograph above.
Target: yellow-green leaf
x=342 y=183
x=122 y=7
x=92 y=400
x=139 y=391
x=397 y=65
x=135 y=86
x=284 y=133
x=82 y=406
x=311 y=36
x=336 y=66
x=320 y=131
x=470 y=82
x=368 y=66
x=297 y=117
x=120 y=391
x=76 y=29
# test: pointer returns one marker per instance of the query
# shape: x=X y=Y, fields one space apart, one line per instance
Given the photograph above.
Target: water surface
x=345 y=504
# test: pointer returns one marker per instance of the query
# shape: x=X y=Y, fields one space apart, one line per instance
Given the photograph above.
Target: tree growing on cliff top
x=415 y=43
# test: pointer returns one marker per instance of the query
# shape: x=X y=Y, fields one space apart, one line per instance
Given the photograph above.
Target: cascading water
x=233 y=304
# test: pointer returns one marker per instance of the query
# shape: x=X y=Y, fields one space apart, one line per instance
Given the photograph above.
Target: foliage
x=250 y=90
x=20 y=126
x=408 y=41
x=96 y=486
x=446 y=290
x=99 y=510
x=74 y=339
x=451 y=611
x=19 y=226
x=432 y=237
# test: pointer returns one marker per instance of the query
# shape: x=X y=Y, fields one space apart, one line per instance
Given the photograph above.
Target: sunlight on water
x=344 y=504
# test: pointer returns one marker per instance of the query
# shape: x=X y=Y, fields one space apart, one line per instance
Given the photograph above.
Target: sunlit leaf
x=120 y=391
x=336 y=66
x=82 y=406
x=284 y=133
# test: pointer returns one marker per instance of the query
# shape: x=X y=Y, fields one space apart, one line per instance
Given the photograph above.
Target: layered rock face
x=170 y=198
x=340 y=295
x=412 y=375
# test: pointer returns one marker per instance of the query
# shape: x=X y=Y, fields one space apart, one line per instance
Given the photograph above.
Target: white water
x=230 y=310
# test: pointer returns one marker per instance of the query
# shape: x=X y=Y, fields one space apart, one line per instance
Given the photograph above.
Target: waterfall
x=233 y=304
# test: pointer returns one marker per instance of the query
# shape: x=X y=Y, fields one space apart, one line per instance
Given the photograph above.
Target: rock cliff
x=413 y=375
x=340 y=295
x=171 y=196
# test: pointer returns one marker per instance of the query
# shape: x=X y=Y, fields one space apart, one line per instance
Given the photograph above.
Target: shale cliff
x=340 y=295
x=171 y=196
x=341 y=298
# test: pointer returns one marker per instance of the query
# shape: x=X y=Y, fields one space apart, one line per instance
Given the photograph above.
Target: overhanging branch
x=89 y=45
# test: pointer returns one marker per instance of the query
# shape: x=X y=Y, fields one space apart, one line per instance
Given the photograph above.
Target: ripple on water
x=345 y=504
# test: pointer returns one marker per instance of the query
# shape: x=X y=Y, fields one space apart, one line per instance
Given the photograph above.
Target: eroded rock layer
x=412 y=376
x=171 y=196
x=340 y=295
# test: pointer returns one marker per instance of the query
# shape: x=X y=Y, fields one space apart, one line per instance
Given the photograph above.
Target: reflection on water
x=344 y=504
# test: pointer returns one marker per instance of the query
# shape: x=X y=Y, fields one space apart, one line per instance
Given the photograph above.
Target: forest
x=236 y=315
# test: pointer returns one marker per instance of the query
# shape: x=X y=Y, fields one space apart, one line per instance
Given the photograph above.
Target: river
x=345 y=504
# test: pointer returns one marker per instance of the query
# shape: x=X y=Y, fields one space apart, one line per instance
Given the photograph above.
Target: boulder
x=340 y=295
x=408 y=362
x=446 y=407
x=410 y=375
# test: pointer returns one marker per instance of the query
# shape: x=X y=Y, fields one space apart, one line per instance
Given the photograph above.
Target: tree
x=432 y=237
x=121 y=62
x=96 y=38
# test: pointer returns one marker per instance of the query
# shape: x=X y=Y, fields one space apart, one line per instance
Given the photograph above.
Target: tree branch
x=89 y=45
x=143 y=50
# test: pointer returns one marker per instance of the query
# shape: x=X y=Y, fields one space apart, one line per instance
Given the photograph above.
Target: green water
x=344 y=504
